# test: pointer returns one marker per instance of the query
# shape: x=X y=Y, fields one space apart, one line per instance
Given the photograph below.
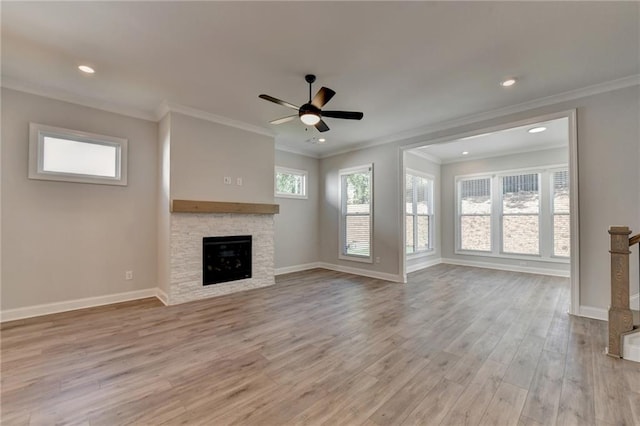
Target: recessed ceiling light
x=322 y=140
x=87 y=69
x=465 y=152
x=508 y=82
x=537 y=129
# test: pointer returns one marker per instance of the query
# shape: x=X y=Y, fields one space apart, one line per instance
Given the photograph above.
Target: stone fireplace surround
x=193 y=220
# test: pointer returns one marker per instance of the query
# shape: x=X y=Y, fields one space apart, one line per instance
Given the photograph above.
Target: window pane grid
x=475 y=214
x=356 y=213
x=527 y=224
x=418 y=209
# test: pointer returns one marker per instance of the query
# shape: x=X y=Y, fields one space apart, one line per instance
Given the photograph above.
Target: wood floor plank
x=454 y=346
x=505 y=407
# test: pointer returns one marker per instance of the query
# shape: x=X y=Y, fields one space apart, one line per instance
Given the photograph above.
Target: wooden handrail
x=620 y=315
x=634 y=240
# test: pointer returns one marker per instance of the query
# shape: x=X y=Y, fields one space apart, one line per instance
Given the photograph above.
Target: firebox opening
x=226 y=259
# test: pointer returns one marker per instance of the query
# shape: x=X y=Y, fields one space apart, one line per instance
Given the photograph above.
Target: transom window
x=514 y=214
x=418 y=212
x=290 y=183
x=73 y=156
x=356 y=217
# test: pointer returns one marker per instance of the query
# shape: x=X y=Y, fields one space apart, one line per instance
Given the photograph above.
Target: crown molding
x=506 y=154
x=426 y=156
x=608 y=86
x=291 y=150
x=65 y=96
x=165 y=107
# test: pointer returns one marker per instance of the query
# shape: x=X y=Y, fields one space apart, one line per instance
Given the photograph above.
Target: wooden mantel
x=193 y=206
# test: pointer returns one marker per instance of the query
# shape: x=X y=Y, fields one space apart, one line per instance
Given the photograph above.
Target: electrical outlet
x=377 y=260
x=239 y=181
x=128 y=275
x=227 y=180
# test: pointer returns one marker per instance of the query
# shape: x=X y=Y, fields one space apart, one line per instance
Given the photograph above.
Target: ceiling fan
x=311 y=113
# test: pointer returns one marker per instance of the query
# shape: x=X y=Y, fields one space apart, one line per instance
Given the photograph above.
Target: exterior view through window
x=356 y=212
x=418 y=212
x=290 y=183
x=475 y=214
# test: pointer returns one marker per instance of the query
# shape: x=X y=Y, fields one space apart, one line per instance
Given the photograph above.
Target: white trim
x=342 y=214
x=574 y=216
x=634 y=302
x=38 y=133
x=162 y=296
x=423 y=264
x=428 y=157
x=593 y=312
x=297 y=268
x=607 y=86
x=294 y=172
x=504 y=154
x=305 y=153
x=64 y=96
x=504 y=267
x=165 y=107
x=72 y=305
x=362 y=272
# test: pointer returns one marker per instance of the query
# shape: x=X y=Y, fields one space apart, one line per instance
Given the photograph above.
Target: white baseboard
x=592 y=312
x=423 y=264
x=71 y=305
x=162 y=296
x=512 y=268
x=296 y=268
x=634 y=301
x=363 y=272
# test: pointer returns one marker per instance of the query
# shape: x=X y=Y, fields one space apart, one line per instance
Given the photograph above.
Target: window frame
x=291 y=171
x=37 y=134
x=458 y=221
x=552 y=171
x=431 y=188
x=501 y=214
x=343 y=215
x=545 y=215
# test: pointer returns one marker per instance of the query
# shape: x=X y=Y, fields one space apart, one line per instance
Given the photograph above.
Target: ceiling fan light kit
x=311 y=113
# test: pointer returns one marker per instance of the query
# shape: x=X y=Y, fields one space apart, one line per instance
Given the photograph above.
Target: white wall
x=386 y=207
x=63 y=241
x=415 y=162
x=495 y=164
x=164 y=204
x=203 y=153
x=296 y=227
x=609 y=185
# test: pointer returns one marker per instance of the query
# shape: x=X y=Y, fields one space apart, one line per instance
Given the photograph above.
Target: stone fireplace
x=190 y=223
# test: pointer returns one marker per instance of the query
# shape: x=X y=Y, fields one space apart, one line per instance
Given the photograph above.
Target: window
x=521 y=213
x=356 y=199
x=290 y=183
x=73 y=156
x=475 y=214
x=419 y=212
x=560 y=201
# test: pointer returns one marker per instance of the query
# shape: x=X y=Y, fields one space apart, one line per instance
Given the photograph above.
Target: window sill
x=421 y=254
x=530 y=258
x=356 y=258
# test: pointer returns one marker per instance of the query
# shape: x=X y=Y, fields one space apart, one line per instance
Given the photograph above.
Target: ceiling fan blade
x=349 y=115
x=323 y=96
x=322 y=126
x=278 y=101
x=283 y=119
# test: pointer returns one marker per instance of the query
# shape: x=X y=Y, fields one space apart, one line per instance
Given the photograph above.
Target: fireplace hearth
x=226 y=259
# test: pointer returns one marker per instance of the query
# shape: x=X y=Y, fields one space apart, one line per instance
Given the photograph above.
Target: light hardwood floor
x=455 y=346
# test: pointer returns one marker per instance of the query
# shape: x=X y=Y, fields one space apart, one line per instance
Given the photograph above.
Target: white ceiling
x=503 y=142
x=406 y=65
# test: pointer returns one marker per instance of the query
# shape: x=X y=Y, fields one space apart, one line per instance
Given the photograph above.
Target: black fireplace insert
x=226 y=259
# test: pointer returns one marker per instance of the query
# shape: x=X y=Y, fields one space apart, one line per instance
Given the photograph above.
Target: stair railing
x=620 y=314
